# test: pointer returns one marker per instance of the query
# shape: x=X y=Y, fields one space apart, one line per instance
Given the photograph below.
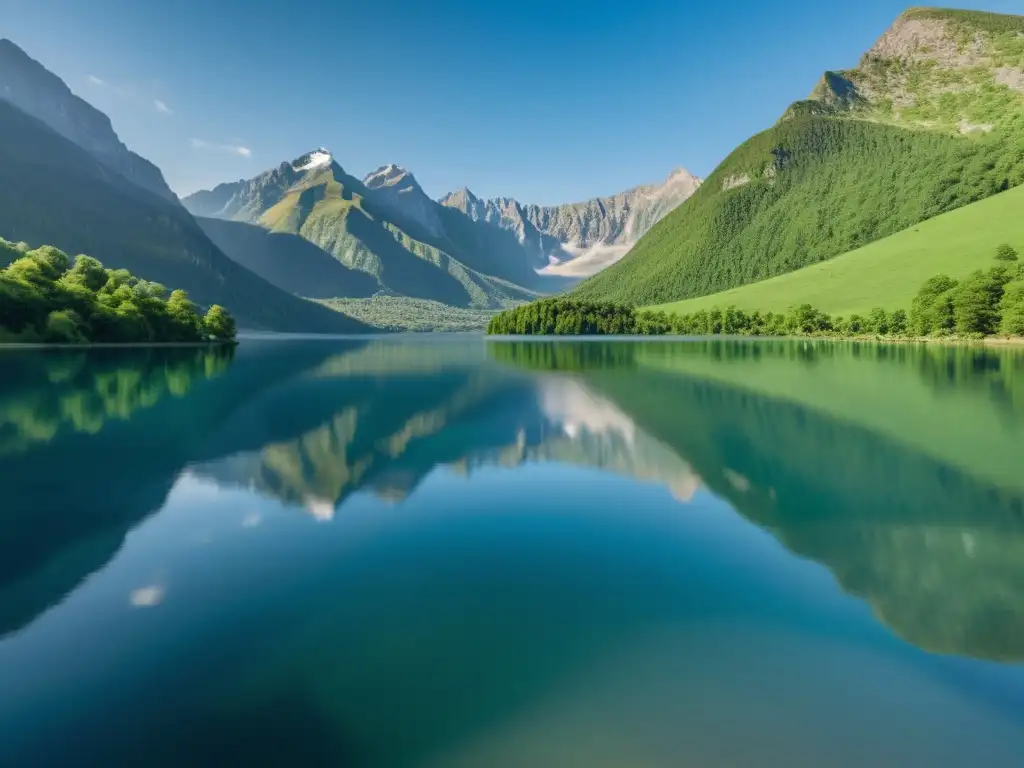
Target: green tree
x=89 y=272
x=976 y=302
x=878 y=321
x=1006 y=252
x=931 y=312
x=185 y=322
x=1012 y=309
x=899 y=322
x=218 y=324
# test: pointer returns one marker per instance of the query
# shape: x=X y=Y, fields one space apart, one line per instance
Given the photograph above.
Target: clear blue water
x=460 y=553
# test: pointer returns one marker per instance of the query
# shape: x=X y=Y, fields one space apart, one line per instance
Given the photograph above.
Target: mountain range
x=305 y=229
x=461 y=250
x=930 y=119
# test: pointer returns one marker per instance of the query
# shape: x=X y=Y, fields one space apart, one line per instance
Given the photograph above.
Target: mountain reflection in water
x=895 y=468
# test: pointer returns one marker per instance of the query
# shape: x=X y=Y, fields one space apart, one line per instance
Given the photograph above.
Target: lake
x=461 y=552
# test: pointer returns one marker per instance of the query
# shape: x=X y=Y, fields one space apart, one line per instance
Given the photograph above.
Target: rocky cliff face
x=580 y=239
x=935 y=68
x=397 y=190
x=33 y=89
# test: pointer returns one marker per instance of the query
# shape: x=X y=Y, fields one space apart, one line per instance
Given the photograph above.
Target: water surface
x=453 y=552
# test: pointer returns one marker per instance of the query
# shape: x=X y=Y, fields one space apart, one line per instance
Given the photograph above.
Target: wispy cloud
x=235 y=149
x=130 y=93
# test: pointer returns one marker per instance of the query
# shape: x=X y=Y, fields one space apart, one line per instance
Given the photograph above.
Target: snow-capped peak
x=317 y=158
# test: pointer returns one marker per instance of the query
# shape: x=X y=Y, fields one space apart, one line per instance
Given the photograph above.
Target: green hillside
x=330 y=210
x=889 y=272
x=931 y=119
x=288 y=261
x=53 y=191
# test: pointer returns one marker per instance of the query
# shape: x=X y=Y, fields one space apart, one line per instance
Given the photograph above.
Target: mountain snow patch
x=315 y=159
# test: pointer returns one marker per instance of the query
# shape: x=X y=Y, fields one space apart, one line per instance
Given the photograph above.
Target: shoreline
x=114 y=345
x=995 y=341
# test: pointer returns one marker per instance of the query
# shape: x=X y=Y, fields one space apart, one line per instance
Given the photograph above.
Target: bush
x=1006 y=252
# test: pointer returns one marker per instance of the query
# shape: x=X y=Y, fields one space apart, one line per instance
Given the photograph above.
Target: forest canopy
x=45 y=297
x=985 y=303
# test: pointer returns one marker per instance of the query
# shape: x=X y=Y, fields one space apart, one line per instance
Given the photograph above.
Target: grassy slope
x=288 y=261
x=834 y=175
x=888 y=272
x=53 y=192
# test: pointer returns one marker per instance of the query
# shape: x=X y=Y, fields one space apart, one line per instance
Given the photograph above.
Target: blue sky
x=542 y=100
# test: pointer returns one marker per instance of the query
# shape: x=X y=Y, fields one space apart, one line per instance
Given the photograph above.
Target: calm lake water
x=454 y=552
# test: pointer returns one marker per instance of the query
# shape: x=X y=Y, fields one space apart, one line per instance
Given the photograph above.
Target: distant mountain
x=385 y=227
x=932 y=118
x=72 y=184
x=398 y=190
x=580 y=239
x=28 y=85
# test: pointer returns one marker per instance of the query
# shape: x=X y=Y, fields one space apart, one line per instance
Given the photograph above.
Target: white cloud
x=162 y=107
x=235 y=149
x=96 y=81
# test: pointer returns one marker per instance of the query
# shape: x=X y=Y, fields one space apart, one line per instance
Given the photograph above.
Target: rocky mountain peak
x=318 y=158
x=460 y=198
x=391 y=175
x=906 y=75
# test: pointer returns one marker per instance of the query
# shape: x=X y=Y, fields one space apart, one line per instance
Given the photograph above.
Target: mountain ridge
x=580 y=238
x=28 y=85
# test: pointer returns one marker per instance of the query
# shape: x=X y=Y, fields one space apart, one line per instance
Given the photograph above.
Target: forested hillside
x=931 y=119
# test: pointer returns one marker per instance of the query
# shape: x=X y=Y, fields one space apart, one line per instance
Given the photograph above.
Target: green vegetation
x=44 y=298
x=817 y=187
x=984 y=303
x=398 y=313
x=53 y=191
x=909 y=134
x=887 y=272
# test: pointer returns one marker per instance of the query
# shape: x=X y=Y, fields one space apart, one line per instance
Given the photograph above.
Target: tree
x=89 y=272
x=878 y=321
x=931 y=311
x=1006 y=252
x=898 y=322
x=53 y=260
x=218 y=324
x=185 y=322
x=976 y=302
x=1012 y=309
